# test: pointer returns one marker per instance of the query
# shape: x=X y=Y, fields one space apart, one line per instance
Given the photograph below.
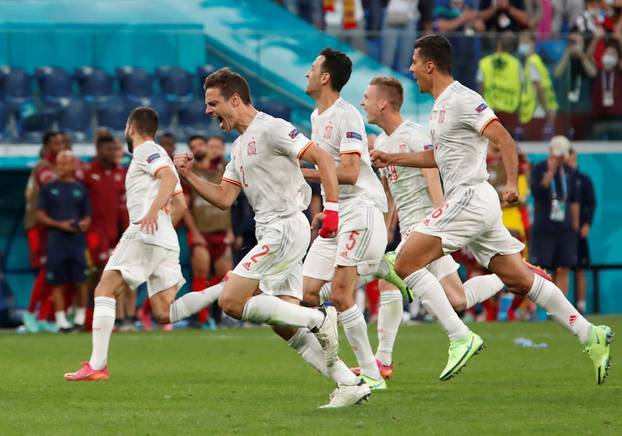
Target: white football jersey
x=265 y=165
x=141 y=186
x=340 y=130
x=408 y=185
x=456 y=123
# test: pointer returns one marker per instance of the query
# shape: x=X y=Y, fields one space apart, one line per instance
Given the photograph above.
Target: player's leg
x=201 y=263
x=58 y=301
x=389 y=320
x=194 y=302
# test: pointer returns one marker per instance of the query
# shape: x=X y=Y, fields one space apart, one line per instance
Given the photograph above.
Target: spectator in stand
x=553 y=242
x=400 y=30
x=64 y=209
x=345 y=19
x=500 y=76
x=574 y=73
x=592 y=17
x=538 y=106
x=460 y=20
x=209 y=228
x=565 y=14
x=535 y=13
x=42 y=174
x=607 y=95
x=502 y=15
x=104 y=179
x=587 y=208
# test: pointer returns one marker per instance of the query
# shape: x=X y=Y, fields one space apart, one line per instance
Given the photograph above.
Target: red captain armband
x=331 y=220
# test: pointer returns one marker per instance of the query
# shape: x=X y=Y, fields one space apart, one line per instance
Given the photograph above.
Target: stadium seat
x=175 y=84
x=95 y=84
x=202 y=72
x=4 y=118
x=552 y=50
x=55 y=84
x=273 y=107
x=31 y=127
x=161 y=106
x=192 y=119
x=135 y=83
x=75 y=119
x=16 y=87
x=112 y=114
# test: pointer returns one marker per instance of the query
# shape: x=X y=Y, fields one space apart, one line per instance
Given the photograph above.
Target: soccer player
x=209 y=228
x=461 y=124
x=266 y=285
x=358 y=250
x=149 y=248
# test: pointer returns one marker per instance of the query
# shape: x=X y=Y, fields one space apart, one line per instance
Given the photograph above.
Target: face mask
x=609 y=61
x=524 y=49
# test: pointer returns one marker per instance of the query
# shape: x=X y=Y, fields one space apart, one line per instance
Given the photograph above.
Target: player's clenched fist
x=510 y=195
x=183 y=162
x=330 y=223
x=380 y=159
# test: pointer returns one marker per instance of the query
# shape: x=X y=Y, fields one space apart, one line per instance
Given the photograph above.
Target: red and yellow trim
x=233 y=182
x=302 y=151
x=481 y=131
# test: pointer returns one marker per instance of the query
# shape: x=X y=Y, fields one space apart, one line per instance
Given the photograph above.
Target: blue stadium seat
x=112 y=114
x=95 y=84
x=135 y=83
x=202 y=72
x=4 y=118
x=55 y=84
x=273 y=107
x=551 y=50
x=175 y=84
x=16 y=86
x=33 y=125
x=193 y=120
x=75 y=119
x=161 y=106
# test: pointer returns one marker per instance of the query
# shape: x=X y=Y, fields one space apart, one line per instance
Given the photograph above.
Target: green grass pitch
x=247 y=381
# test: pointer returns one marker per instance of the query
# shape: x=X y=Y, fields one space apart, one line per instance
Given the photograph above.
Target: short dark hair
x=229 y=82
x=104 y=139
x=392 y=90
x=506 y=41
x=49 y=135
x=168 y=135
x=145 y=120
x=436 y=49
x=193 y=137
x=218 y=137
x=613 y=43
x=338 y=65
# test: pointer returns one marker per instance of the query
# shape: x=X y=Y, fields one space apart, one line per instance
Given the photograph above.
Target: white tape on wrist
x=331 y=205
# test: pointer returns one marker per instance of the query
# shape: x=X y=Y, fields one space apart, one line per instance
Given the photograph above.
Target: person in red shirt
x=42 y=174
x=104 y=179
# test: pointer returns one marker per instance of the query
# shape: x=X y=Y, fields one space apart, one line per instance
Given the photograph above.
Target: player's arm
x=497 y=134
x=435 y=189
x=168 y=181
x=347 y=171
x=421 y=159
x=179 y=207
x=388 y=216
x=327 y=174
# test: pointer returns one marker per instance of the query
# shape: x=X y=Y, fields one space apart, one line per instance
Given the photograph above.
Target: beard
x=130 y=144
x=199 y=156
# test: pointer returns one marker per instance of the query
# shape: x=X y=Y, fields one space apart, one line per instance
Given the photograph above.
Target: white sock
x=325 y=292
x=551 y=298
x=307 y=345
x=103 y=323
x=433 y=298
x=480 y=288
x=383 y=270
x=193 y=302
x=389 y=319
x=272 y=310
x=61 y=319
x=355 y=329
x=80 y=316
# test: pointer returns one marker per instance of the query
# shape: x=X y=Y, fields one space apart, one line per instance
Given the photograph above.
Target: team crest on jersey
x=441 y=116
x=479 y=109
x=328 y=131
x=251 y=147
x=403 y=148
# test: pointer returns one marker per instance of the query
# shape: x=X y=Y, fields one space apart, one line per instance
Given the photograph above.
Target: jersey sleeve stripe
x=481 y=131
x=350 y=152
x=303 y=149
x=155 y=172
x=233 y=182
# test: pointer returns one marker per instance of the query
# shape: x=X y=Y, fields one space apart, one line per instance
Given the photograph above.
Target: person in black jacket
x=553 y=242
x=587 y=207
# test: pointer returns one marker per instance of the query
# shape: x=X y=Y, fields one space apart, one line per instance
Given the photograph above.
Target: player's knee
x=403 y=268
x=160 y=316
x=104 y=291
x=519 y=283
x=311 y=298
x=230 y=305
x=342 y=299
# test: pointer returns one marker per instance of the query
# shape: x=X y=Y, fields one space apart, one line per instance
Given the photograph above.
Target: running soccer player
x=266 y=285
x=149 y=248
x=461 y=124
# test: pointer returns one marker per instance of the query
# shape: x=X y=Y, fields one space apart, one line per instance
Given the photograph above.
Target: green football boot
x=597 y=347
x=393 y=278
x=375 y=384
x=460 y=351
